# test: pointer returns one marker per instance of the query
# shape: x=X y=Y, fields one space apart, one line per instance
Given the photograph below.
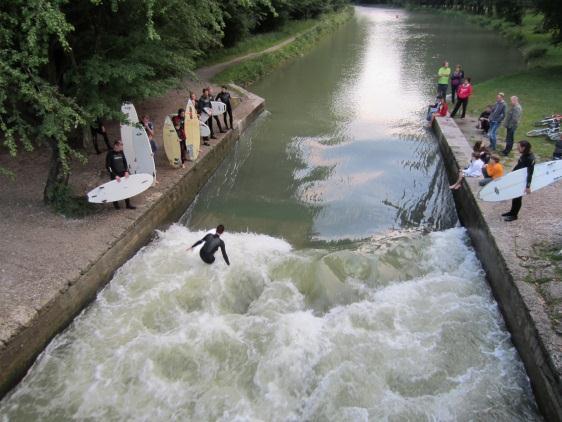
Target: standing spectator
x=99 y=129
x=511 y=122
x=149 y=128
x=443 y=79
x=224 y=97
x=527 y=160
x=205 y=103
x=456 y=80
x=496 y=118
x=491 y=171
x=194 y=100
x=116 y=165
x=464 y=91
x=178 y=122
x=216 y=117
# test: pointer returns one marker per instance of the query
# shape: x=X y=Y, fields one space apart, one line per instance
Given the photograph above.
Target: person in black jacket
x=99 y=129
x=117 y=166
x=224 y=97
x=527 y=160
x=212 y=242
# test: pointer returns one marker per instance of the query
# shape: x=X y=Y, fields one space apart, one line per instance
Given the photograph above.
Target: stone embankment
x=51 y=267
x=518 y=258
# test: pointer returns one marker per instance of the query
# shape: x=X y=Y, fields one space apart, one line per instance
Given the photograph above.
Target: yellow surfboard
x=171 y=143
x=192 y=133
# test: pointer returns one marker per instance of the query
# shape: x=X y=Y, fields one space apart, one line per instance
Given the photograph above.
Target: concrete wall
x=545 y=379
x=20 y=353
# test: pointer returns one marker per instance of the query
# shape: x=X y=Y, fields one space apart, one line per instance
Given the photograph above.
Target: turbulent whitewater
x=399 y=327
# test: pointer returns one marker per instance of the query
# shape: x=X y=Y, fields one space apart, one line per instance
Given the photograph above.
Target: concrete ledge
x=20 y=351
x=520 y=304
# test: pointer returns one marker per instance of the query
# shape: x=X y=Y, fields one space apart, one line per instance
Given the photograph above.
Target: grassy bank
x=539 y=87
x=250 y=71
x=258 y=42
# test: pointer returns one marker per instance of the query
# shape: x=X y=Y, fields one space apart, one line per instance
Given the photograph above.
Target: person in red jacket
x=441 y=111
x=464 y=91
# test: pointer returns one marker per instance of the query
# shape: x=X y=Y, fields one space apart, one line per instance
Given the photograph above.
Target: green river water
x=353 y=294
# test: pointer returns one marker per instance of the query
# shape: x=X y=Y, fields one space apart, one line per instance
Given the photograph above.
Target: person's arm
x=530 y=171
x=224 y=255
x=196 y=244
x=108 y=163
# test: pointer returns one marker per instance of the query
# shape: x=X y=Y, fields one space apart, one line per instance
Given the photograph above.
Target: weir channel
x=353 y=292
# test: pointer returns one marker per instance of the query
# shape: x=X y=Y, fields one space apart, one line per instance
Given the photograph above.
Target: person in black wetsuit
x=116 y=165
x=212 y=242
x=527 y=160
x=99 y=129
x=224 y=97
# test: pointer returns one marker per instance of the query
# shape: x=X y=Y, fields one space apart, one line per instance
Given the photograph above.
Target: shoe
x=116 y=206
x=223 y=131
x=206 y=144
x=506 y=214
x=510 y=218
x=213 y=137
x=131 y=207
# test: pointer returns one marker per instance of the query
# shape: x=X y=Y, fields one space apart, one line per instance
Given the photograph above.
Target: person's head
x=205 y=91
x=458 y=68
x=476 y=155
x=477 y=146
x=442 y=100
x=500 y=96
x=220 y=229
x=209 y=90
x=467 y=80
x=514 y=100
x=524 y=147
x=181 y=112
x=495 y=158
x=445 y=63
x=192 y=96
x=224 y=88
x=145 y=118
x=118 y=146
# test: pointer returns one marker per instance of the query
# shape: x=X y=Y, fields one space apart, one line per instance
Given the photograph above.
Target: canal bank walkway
x=52 y=266
x=522 y=259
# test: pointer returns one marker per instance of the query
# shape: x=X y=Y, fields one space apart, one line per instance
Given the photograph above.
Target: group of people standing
x=203 y=105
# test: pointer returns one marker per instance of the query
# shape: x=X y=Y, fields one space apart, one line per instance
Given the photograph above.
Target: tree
x=552 y=11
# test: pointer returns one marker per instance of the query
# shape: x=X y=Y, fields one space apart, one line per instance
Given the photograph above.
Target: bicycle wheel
x=537 y=132
x=554 y=136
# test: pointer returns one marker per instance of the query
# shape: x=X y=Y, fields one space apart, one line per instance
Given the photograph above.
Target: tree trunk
x=56 y=176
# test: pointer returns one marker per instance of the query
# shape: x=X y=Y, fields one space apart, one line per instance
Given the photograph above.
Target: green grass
x=250 y=71
x=538 y=88
x=258 y=42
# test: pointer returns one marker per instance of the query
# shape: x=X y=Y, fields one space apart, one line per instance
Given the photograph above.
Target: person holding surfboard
x=205 y=103
x=177 y=121
x=224 y=97
x=526 y=160
x=116 y=165
x=212 y=242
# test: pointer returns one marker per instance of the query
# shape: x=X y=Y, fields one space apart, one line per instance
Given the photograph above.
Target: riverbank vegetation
x=249 y=71
x=63 y=64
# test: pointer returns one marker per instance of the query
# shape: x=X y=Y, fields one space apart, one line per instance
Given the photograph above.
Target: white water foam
x=398 y=329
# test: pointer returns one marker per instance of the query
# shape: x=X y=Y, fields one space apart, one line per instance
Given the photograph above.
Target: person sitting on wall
x=473 y=170
x=441 y=112
x=484 y=119
x=491 y=171
x=433 y=108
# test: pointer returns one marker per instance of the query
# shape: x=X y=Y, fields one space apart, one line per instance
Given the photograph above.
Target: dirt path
x=207 y=73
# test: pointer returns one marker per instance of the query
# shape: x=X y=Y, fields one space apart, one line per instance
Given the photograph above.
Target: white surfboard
x=218 y=107
x=116 y=191
x=128 y=110
x=203 y=117
x=136 y=145
x=512 y=185
x=204 y=129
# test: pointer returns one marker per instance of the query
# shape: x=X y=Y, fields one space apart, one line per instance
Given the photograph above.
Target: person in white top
x=473 y=170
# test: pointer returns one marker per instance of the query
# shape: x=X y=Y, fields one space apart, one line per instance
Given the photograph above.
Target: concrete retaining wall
x=514 y=304
x=19 y=354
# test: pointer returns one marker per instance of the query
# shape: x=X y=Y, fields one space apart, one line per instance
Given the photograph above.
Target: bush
x=64 y=202
x=535 y=52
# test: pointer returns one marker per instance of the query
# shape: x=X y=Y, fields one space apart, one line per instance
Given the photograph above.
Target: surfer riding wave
x=212 y=242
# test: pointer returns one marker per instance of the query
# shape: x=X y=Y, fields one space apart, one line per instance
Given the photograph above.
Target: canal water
x=352 y=294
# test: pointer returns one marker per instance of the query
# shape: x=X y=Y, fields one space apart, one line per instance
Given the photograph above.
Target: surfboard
x=513 y=184
x=218 y=107
x=171 y=143
x=192 y=132
x=136 y=145
x=127 y=133
x=204 y=129
x=203 y=117
x=116 y=191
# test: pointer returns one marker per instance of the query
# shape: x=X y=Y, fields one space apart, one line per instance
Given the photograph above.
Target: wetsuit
x=179 y=121
x=212 y=243
x=525 y=161
x=99 y=129
x=117 y=166
x=224 y=97
x=203 y=103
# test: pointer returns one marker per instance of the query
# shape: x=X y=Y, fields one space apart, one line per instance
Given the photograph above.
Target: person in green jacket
x=443 y=79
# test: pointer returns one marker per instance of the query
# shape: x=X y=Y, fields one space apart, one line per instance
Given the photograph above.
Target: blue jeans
x=492 y=133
